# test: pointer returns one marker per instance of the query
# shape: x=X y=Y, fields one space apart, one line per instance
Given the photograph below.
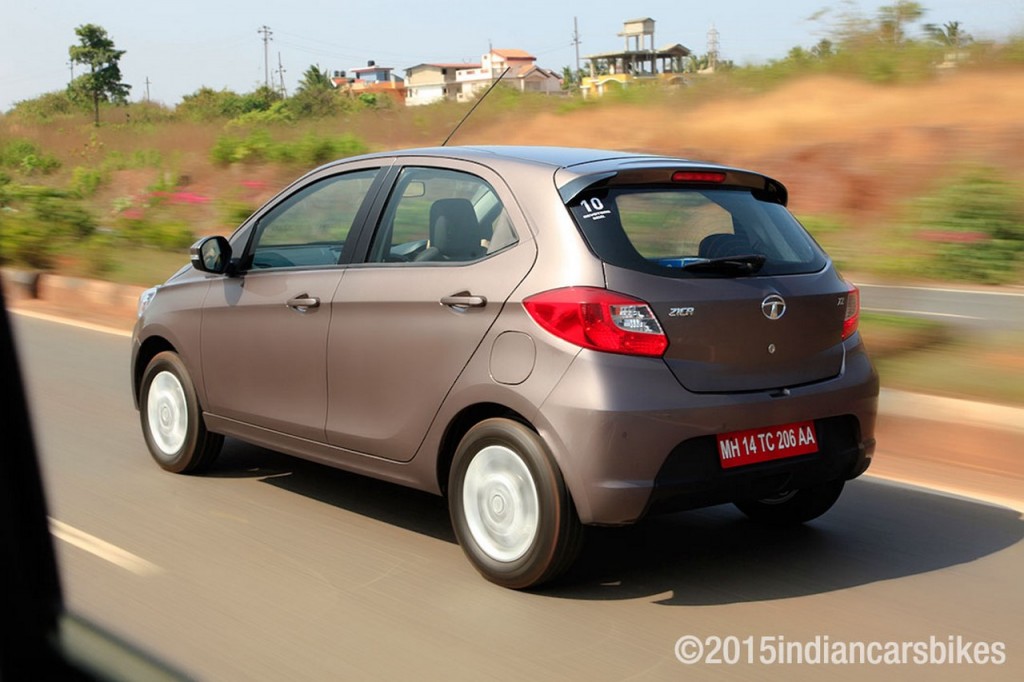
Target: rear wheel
x=172 y=421
x=510 y=509
x=793 y=506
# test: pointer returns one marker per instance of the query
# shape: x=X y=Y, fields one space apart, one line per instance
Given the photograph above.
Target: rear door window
x=667 y=230
x=437 y=215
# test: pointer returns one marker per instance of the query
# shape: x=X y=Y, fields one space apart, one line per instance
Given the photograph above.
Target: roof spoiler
x=763 y=187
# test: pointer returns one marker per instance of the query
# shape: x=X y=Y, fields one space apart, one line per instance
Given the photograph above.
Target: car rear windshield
x=674 y=231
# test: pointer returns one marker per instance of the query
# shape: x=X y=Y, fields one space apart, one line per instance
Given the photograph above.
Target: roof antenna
x=475 y=105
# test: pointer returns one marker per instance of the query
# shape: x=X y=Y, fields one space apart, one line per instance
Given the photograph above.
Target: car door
x=264 y=331
x=449 y=248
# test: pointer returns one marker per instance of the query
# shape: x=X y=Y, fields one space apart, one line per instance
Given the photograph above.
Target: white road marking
x=71 y=323
x=924 y=313
x=102 y=549
x=951 y=491
x=945 y=290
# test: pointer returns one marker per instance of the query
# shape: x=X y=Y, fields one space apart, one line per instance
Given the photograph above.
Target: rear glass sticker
x=594 y=209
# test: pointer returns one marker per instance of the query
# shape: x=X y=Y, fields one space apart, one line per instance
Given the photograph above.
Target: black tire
x=510 y=508
x=795 y=506
x=172 y=420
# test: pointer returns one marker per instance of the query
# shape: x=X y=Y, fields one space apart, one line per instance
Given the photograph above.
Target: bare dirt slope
x=841 y=145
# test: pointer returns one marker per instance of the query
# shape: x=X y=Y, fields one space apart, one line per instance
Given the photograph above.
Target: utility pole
x=71 y=64
x=280 y=75
x=576 y=42
x=147 y=88
x=265 y=30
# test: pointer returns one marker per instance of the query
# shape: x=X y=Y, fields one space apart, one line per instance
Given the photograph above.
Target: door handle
x=464 y=299
x=304 y=302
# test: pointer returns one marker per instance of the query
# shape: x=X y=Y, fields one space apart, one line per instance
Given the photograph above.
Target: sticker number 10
x=591 y=205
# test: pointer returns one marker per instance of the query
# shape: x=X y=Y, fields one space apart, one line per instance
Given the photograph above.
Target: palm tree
x=950 y=34
x=894 y=18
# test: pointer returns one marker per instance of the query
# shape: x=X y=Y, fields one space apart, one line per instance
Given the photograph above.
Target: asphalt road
x=272 y=568
x=987 y=309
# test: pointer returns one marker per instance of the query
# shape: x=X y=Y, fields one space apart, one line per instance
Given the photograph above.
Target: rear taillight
x=599 y=319
x=852 y=317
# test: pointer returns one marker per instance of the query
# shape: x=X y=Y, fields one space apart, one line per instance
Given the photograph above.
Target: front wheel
x=793 y=506
x=172 y=421
x=510 y=508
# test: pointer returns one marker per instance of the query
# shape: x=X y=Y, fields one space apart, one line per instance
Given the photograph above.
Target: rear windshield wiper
x=746 y=264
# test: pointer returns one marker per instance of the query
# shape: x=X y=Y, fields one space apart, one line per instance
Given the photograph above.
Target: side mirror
x=211 y=254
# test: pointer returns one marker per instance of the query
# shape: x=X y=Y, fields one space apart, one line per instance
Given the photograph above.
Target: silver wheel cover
x=167 y=413
x=499 y=500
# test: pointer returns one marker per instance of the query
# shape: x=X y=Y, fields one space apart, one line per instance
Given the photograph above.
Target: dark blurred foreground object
x=39 y=640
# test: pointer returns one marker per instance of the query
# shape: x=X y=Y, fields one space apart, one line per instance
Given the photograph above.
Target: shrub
x=259 y=147
x=976 y=223
x=46 y=107
x=23 y=243
x=140 y=158
x=253 y=148
x=166 y=235
x=39 y=223
x=86 y=181
x=25 y=156
x=278 y=112
x=207 y=104
x=234 y=213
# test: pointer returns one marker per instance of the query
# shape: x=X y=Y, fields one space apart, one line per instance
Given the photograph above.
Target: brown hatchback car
x=550 y=337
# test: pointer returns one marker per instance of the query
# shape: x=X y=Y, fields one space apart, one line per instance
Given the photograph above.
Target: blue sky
x=182 y=45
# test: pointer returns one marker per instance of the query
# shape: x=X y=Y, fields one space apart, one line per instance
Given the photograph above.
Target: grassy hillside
x=917 y=180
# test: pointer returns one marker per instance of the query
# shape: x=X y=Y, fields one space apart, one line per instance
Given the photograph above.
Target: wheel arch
x=463 y=422
x=147 y=351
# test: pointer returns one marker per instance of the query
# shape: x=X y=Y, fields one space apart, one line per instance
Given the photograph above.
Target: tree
x=950 y=34
x=316 y=96
x=824 y=49
x=892 y=19
x=572 y=78
x=103 y=81
x=314 y=79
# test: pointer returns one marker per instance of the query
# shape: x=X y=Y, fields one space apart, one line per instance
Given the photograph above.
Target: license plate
x=740 y=448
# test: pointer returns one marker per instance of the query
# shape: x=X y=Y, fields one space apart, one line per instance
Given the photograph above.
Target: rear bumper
x=631 y=442
x=692 y=477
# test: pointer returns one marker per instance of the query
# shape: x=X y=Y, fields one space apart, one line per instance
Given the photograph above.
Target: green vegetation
x=102 y=83
x=38 y=223
x=258 y=146
x=26 y=158
x=966 y=229
x=919 y=355
x=970 y=228
x=974 y=226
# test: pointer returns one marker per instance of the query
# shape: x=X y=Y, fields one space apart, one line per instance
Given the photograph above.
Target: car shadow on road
x=877 y=531
x=387 y=502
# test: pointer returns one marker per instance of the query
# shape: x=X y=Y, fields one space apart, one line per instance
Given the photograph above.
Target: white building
x=524 y=75
x=428 y=83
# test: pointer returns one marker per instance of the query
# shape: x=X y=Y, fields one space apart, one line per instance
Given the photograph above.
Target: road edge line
x=46 y=317
x=956 y=493
x=102 y=549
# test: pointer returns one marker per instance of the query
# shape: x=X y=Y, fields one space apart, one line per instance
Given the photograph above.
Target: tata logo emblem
x=773 y=307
